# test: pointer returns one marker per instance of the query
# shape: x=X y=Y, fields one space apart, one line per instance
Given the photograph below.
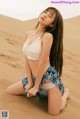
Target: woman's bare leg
x=15 y=89
x=54 y=101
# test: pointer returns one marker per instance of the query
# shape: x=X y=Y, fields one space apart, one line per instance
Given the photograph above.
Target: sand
x=12 y=69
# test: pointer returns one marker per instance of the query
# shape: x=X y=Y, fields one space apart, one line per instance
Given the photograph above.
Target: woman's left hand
x=32 y=92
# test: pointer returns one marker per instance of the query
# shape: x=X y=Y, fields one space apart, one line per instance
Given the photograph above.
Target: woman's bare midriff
x=34 y=64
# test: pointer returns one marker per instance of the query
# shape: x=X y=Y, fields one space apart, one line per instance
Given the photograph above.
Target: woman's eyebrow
x=51 y=12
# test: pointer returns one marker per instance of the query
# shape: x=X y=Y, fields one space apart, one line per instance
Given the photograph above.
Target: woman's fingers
x=26 y=89
x=30 y=93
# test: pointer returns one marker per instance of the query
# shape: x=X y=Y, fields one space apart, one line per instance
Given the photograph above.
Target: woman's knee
x=54 y=113
x=15 y=89
x=8 y=90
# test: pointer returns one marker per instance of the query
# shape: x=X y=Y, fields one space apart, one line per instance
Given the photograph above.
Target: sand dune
x=14 y=26
x=12 y=34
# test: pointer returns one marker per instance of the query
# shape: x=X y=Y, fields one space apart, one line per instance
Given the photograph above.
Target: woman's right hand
x=28 y=86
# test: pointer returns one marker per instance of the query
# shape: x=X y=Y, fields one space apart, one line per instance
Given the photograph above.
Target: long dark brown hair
x=56 y=52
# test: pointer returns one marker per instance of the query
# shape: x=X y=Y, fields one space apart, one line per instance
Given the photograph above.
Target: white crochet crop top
x=32 y=51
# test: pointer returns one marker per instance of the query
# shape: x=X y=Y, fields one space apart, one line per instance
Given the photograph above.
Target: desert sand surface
x=12 y=69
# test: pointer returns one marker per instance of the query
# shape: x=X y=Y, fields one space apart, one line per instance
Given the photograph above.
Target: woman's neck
x=40 y=29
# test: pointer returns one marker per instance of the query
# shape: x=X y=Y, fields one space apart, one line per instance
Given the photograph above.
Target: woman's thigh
x=15 y=89
x=54 y=100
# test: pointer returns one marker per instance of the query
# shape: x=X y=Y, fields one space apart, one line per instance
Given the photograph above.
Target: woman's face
x=47 y=17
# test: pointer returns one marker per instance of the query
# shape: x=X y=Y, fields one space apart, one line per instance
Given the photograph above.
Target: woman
x=43 y=51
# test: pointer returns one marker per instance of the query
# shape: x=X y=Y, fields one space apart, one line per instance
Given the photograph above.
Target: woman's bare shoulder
x=47 y=37
x=47 y=34
x=27 y=34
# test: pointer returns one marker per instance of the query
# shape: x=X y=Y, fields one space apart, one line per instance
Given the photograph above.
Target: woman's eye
x=50 y=16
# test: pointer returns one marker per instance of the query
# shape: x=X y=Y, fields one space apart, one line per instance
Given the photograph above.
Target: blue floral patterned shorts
x=50 y=79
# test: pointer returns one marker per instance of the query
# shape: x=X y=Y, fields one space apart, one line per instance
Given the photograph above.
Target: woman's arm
x=46 y=47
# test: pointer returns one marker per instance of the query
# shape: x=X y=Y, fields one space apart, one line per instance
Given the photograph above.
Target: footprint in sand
x=14 y=42
x=11 y=61
x=15 y=65
x=11 y=42
x=8 y=58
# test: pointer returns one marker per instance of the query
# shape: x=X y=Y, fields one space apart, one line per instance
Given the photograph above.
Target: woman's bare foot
x=66 y=91
x=65 y=97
